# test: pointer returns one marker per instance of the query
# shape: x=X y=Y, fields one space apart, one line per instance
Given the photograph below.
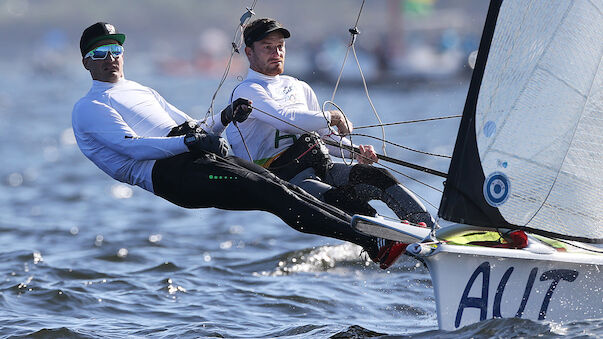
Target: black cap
x=97 y=32
x=258 y=29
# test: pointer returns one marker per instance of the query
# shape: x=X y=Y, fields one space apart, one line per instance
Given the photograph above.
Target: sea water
x=83 y=256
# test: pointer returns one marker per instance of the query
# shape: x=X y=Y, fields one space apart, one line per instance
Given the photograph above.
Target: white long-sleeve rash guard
x=121 y=127
x=288 y=102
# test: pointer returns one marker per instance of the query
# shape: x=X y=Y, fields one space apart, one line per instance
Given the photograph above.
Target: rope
x=369 y=99
x=408 y=122
x=243 y=139
x=332 y=132
x=418 y=181
x=359 y=13
x=393 y=160
x=354 y=33
x=279 y=119
x=237 y=42
x=402 y=146
x=355 y=150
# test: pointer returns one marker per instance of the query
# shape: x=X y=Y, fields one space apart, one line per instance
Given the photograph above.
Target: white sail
x=539 y=116
x=529 y=155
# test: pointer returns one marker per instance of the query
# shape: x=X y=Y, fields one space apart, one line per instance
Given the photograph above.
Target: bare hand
x=344 y=126
x=367 y=155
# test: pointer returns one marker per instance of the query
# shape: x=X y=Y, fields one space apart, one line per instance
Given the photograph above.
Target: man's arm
x=286 y=119
x=103 y=124
x=367 y=152
x=212 y=125
x=344 y=126
x=215 y=124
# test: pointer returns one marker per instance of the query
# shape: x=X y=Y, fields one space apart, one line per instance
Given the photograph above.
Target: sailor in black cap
x=134 y=135
x=284 y=134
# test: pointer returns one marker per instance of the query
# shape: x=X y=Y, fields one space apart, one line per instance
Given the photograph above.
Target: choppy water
x=83 y=256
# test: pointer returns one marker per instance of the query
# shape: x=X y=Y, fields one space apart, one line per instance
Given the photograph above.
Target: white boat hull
x=472 y=284
x=475 y=283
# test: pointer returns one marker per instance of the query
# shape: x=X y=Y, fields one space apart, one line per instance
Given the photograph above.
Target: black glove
x=238 y=111
x=201 y=142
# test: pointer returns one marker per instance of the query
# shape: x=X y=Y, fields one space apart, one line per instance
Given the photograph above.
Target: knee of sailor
x=375 y=176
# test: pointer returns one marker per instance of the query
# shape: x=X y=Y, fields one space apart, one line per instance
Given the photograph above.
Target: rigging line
x=359 y=13
x=279 y=119
x=347 y=123
x=210 y=110
x=415 y=180
x=355 y=149
x=345 y=58
x=236 y=44
x=402 y=146
x=354 y=32
x=243 y=139
x=408 y=122
x=392 y=160
x=369 y=99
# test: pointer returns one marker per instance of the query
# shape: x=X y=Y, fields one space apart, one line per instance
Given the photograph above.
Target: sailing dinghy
x=528 y=157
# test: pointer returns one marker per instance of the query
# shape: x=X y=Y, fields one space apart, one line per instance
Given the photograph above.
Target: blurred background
x=401 y=40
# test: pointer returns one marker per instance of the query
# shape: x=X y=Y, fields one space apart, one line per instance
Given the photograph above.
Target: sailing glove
x=238 y=111
x=202 y=142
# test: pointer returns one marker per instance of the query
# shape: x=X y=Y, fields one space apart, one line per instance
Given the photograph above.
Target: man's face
x=267 y=56
x=109 y=69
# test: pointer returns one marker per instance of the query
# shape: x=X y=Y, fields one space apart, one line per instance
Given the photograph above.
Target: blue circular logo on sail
x=496 y=189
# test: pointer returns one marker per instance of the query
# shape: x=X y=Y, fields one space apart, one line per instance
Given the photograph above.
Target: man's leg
x=373 y=183
x=236 y=184
x=309 y=182
x=344 y=197
x=384 y=252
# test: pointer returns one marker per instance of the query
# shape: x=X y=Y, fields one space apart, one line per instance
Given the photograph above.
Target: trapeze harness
x=351 y=187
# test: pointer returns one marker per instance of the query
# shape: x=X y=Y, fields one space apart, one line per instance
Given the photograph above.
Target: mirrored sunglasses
x=101 y=52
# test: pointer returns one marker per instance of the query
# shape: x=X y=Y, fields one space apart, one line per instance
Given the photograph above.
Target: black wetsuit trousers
x=206 y=180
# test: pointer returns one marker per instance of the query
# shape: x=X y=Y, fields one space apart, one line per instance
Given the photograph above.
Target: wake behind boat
x=525 y=185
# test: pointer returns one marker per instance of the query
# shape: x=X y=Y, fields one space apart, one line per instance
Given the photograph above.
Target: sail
x=529 y=153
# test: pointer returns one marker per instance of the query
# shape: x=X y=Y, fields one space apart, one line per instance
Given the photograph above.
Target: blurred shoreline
x=411 y=42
